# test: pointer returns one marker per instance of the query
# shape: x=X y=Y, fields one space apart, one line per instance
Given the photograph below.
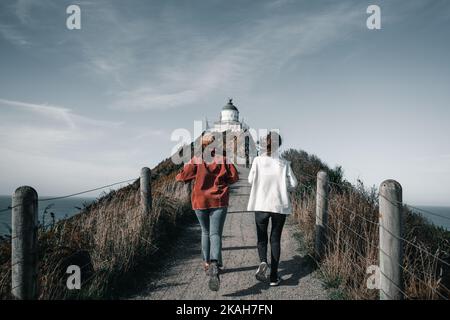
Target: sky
x=85 y=108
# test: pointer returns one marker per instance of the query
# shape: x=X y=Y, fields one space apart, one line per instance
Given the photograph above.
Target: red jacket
x=211 y=182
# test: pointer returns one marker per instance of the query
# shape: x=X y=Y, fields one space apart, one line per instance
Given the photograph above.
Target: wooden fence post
x=391 y=251
x=321 y=213
x=24 y=243
x=146 y=190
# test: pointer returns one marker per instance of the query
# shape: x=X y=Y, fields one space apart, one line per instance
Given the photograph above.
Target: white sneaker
x=275 y=283
x=261 y=272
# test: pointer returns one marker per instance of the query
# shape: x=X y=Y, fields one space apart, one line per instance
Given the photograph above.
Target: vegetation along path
x=182 y=276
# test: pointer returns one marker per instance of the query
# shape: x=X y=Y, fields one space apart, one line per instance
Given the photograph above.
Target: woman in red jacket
x=210 y=201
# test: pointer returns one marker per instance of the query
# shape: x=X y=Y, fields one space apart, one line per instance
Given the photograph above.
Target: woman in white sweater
x=271 y=179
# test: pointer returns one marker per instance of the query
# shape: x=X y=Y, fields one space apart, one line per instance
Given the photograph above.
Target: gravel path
x=183 y=277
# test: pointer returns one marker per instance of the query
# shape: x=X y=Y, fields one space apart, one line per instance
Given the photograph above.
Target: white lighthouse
x=229 y=119
x=241 y=148
x=229 y=112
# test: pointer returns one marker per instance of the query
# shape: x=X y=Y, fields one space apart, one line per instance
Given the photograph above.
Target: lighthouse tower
x=229 y=119
x=229 y=112
x=240 y=146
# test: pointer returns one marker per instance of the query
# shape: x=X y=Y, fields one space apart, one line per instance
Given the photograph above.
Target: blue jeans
x=212 y=221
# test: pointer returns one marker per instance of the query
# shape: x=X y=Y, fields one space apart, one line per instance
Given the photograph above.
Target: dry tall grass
x=352 y=237
x=107 y=240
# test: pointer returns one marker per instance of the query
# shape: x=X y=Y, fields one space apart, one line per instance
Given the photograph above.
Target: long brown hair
x=271 y=137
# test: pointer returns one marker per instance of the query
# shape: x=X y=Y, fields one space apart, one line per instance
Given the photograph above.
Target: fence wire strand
x=338 y=204
x=434 y=290
x=53 y=224
x=9 y=208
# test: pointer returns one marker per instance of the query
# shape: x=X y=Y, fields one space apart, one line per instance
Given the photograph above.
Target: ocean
x=436 y=220
x=62 y=209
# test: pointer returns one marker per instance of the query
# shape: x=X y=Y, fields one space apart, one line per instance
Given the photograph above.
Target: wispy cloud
x=111 y=51
x=13 y=35
x=22 y=20
x=178 y=88
x=227 y=64
x=277 y=3
x=46 y=130
x=23 y=9
x=42 y=129
x=64 y=115
x=165 y=62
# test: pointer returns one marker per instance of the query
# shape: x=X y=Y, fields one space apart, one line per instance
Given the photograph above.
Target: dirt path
x=183 y=277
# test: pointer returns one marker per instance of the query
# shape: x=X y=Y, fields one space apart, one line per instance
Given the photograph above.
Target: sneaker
x=206 y=268
x=275 y=283
x=214 y=280
x=261 y=272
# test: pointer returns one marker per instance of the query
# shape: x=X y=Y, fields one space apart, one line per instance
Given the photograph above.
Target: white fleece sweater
x=271 y=181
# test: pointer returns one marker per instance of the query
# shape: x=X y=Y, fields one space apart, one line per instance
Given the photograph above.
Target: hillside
x=111 y=239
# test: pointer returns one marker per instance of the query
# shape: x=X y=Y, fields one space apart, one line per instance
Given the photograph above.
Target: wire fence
x=351 y=188
x=100 y=266
x=371 y=262
x=45 y=227
x=328 y=226
x=376 y=224
x=9 y=208
x=103 y=265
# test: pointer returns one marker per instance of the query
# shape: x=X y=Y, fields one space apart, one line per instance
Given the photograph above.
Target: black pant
x=262 y=223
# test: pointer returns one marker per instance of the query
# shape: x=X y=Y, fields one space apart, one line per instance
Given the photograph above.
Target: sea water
x=61 y=208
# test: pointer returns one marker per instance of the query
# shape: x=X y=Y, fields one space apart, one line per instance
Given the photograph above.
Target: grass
x=110 y=240
x=338 y=294
x=352 y=236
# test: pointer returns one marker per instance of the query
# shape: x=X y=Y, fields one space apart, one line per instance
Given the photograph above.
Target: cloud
x=22 y=20
x=13 y=35
x=58 y=113
x=49 y=130
x=228 y=63
x=23 y=8
x=42 y=143
x=167 y=62
x=61 y=114
x=52 y=176
x=150 y=133
x=42 y=129
x=274 y=4
x=180 y=89
x=109 y=52
x=146 y=98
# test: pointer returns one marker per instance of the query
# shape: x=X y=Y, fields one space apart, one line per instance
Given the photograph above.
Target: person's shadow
x=290 y=271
